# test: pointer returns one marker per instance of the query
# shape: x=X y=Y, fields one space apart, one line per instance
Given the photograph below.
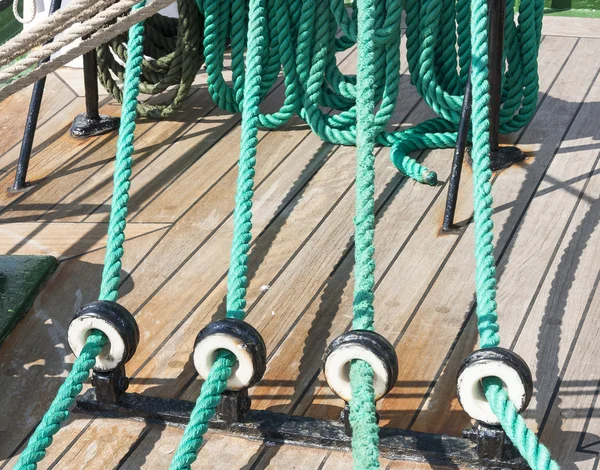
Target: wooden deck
x=179 y=232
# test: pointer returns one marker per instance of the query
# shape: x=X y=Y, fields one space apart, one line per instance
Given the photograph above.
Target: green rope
x=172 y=48
x=111 y=274
x=216 y=382
x=537 y=456
x=302 y=35
x=300 y=38
x=204 y=410
x=363 y=418
x=58 y=411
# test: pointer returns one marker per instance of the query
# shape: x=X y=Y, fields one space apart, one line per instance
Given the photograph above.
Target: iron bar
x=272 y=427
x=90 y=83
x=31 y=122
x=91 y=122
x=457 y=162
x=505 y=156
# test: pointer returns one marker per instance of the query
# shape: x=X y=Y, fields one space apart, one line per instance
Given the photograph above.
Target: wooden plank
x=75 y=161
x=300 y=167
x=207 y=151
x=566 y=332
x=59 y=190
x=62 y=240
x=267 y=204
x=48 y=132
x=222 y=452
x=447 y=301
x=571 y=27
x=224 y=154
x=175 y=361
x=65 y=155
x=285 y=261
x=72 y=77
x=164 y=160
x=572 y=424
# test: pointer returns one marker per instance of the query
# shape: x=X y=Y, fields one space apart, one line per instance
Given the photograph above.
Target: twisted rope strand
x=513 y=424
x=363 y=418
x=59 y=409
x=204 y=410
x=111 y=273
x=216 y=382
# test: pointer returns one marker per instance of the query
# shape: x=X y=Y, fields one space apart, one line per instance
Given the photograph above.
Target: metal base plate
x=15 y=190
x=395 y=444
x=83 y=126
x=501 y=158
x=20 y=280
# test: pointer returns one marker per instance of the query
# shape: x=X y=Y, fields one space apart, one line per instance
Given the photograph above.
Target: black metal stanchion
x=457 y=162
x=91 y=122
x=31 y=123
x=500 y=157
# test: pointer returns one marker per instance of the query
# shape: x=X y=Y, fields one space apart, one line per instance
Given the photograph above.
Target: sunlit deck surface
x=176 y=255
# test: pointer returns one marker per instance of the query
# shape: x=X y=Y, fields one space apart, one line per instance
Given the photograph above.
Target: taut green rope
x=363 y=418
x=525 y=440
x=59 y=409
x=216 y=382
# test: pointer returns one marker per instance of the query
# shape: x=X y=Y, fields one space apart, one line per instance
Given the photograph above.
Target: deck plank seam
x=110 y=161
x=231 y=129
x=100 y=248
x=234 y=125
x=77 y=95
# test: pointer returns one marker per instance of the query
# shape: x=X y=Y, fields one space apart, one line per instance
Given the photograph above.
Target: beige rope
x=28 y=15
x=68 y=36
x=94 y=40
x=50 y=27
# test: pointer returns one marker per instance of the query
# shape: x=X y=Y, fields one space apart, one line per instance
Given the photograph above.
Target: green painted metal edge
x=574 y=8
x=20 y=280
x=572 y=13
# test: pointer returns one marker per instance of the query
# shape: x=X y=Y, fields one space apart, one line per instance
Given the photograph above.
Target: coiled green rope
x=59 y=409
x=537 y=456
x=303 y=40
x=172 y=57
